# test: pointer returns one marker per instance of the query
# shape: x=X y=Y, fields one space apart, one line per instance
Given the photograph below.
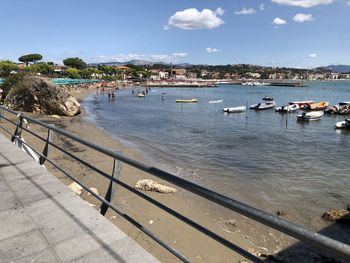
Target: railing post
x=46 y=148
x=111 y=187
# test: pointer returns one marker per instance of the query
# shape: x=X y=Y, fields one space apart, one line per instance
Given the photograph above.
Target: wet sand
x=241 y=231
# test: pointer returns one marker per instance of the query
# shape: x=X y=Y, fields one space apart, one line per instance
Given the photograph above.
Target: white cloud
x=279 y=21
x=245 y=11
x=301 y=18
x=303 y=3
x=149 y=57
x=261 y=7
x=193 y=19
x=212 y=50
x=312 y=55
x=180 y=54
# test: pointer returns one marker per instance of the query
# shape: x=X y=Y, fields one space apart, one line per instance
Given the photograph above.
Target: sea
x=262 y=158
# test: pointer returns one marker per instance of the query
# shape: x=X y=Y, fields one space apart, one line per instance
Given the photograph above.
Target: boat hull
x=310 y=116
x=343 y=124
x=235 y=109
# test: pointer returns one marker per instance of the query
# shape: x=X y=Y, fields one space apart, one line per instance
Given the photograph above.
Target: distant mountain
x=339 y=68
x=138 y=63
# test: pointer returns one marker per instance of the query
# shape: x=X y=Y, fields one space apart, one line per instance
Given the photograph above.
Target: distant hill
x=138 y=63
x=339 y=68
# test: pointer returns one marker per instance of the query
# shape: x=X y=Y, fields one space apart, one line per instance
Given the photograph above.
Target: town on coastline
x=143 y=73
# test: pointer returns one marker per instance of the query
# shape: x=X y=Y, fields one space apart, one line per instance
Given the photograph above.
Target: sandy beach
x=243 y=232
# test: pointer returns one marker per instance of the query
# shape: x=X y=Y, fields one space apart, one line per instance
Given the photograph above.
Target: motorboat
x=141 y=94
x=344 y=103
x=288 y=108
x=193 y=100
x=337 y=109
x=216 y=101
x=322 y=105
x=301 y=103
x=267 y=98
x=310 y=116
x=235 y=109
x=263 y=106
x=343 y=124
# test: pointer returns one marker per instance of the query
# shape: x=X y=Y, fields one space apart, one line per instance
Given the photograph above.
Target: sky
x=290 y=33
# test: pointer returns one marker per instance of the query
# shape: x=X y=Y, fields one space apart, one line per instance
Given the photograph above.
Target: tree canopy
x=73 y=73
x=42 y=68
x=6 y=67
x=30 y=58
x=77 y=63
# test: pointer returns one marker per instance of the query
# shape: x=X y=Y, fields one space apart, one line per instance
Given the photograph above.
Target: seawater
x=263 y=158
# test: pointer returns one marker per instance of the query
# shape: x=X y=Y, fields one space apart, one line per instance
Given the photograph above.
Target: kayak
x=216 y=101
x=193 y=100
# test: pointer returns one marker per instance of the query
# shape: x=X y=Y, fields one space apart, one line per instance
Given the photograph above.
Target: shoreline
x=246 y=233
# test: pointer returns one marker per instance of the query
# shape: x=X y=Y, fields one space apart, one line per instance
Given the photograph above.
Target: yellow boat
x=317 y=105
x=193 y=100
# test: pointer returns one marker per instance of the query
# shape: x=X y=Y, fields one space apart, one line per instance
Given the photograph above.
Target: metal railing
x=333 y=247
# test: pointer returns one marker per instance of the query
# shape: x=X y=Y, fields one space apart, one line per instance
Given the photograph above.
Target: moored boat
x=141 y=94
x=301 y=103
x=344 y=103
x=216 y=101
x=263 y=105
x=310 y=116
x=267 y=98
x=343 y=124
x=288 y=108
x=193 y=100
x=317 y=105
x=234 y=109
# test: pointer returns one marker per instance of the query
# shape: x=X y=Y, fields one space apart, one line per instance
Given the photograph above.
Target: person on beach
x=113 y=95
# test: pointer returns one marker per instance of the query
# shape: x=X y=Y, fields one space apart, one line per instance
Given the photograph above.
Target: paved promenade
x=41 y=220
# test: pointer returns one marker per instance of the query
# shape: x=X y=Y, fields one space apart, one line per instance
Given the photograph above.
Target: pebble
x=281 y=213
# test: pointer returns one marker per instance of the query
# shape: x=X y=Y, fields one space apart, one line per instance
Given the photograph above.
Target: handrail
x=320 y=241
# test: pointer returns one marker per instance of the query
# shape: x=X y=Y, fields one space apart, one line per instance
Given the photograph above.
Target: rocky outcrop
x=38 y=94
x=149 y=185
x=335 y=214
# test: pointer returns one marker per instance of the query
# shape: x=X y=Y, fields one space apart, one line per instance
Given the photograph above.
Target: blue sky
x=295 y=33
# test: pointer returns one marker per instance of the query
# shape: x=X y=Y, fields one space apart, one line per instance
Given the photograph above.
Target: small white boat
x=216 y=101
x=141 y=95
x=344 y=103
x=263 y=106
x=234 y=109
x=343 y=124
x=288 y=108
x=310 y=116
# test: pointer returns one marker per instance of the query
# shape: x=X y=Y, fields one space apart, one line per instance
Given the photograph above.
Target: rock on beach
x=38 y=94
x=335 y=214
x=76 y=188
x=149 y=185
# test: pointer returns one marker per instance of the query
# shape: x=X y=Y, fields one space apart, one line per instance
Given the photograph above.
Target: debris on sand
x=76 y=188
x=149 y=185
x=335 y=214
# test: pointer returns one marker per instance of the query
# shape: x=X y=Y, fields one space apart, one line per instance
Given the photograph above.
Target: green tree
x=6 y=67
x=87 y=72
x=30 y=58
x=42 y=68
x=72 y=73
x=77 y=63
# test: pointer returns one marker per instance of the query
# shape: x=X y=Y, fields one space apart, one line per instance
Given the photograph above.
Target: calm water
x=263 y=158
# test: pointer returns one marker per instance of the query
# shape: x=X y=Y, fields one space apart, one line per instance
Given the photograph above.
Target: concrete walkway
x=41 y=220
